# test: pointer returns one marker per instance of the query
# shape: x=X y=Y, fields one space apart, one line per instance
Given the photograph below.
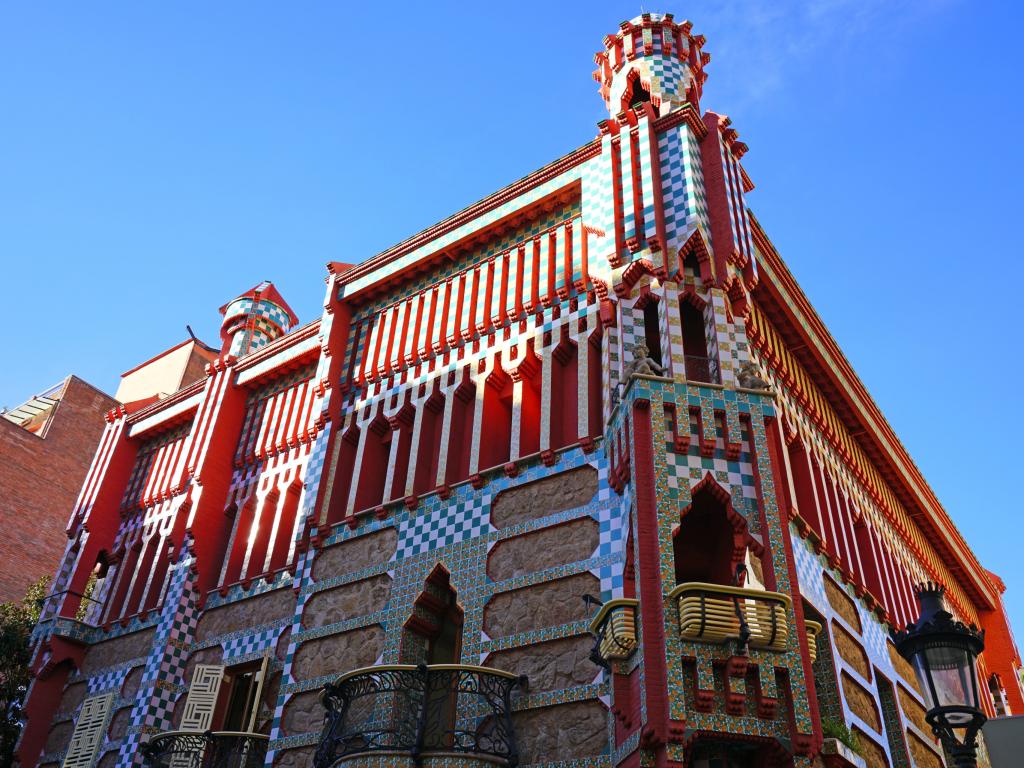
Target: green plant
x=840 y=731
x=16 y=622
x=83 y=607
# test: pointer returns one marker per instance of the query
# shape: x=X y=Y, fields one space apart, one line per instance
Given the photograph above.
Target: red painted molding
x=649 y=579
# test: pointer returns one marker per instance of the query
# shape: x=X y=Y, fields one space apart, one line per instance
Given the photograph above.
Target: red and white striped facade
x=501 y=340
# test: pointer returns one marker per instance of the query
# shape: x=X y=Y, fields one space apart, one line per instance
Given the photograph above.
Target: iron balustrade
x=210 y=749
x=419 y=710
x=715 y=613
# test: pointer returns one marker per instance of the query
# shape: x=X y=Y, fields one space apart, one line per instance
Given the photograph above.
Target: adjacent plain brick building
x=46 y=446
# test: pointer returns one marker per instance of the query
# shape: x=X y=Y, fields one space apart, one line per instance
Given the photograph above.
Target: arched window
x=564 y=393
x=374 y=470
x=431 y=426
x=636 y=95
x=460 y=442
x=433 y=634
x=347 y=448
x=711 y=542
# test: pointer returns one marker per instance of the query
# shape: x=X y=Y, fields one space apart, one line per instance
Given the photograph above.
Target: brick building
x=588 y=431
x=46 y=445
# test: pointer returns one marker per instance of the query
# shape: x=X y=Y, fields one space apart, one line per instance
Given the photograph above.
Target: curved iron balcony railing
x=212 y=749
x=713 y=613
x=419 y=711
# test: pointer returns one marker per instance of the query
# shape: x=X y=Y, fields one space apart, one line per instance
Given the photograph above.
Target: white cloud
x=757 y=45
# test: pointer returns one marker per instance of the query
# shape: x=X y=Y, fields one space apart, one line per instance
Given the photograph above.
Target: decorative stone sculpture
x=749 y=377
x=642 y=362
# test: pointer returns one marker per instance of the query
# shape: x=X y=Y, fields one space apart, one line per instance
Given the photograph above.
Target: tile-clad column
x=400 y=332
x=501 y=302
x=626 y=208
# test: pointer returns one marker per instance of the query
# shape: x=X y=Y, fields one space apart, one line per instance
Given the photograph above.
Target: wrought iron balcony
x=419 y=711
x=212 y=749
x=713 y=613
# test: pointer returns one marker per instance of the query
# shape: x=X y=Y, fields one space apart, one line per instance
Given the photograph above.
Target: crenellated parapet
x=255 y=319
x=655 y=54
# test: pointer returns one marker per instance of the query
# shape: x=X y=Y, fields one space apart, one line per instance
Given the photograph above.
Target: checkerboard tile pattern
x=873 y=634
x=166 y=664
x=444 y=526
x=251 y=644
x=682 y=181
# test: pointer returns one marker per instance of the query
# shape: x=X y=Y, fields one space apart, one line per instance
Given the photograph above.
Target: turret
x=651 y=58
x=255 y=319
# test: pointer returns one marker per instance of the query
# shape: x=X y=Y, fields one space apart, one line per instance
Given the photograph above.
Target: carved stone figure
x=750 y=378
x=642 y=362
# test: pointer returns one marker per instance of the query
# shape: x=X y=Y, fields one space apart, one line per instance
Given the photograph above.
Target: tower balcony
x=712 y=613
x=419 y=715
x=210 y=749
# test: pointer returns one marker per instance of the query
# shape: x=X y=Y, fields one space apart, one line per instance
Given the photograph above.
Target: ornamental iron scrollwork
x=212 y=749
x=419 y=710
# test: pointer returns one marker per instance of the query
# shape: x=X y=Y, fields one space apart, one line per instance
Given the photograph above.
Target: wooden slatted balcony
x=713 y=613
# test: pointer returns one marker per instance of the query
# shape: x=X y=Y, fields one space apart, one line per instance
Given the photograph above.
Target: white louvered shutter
x=202 y=697
x=88 y=735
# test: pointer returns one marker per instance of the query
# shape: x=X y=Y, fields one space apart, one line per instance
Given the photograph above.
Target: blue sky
x=158 y=159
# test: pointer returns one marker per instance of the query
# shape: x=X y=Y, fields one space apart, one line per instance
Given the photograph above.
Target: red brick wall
x=39 y=483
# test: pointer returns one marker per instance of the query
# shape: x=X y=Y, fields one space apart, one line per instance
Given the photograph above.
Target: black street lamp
x=943 y=652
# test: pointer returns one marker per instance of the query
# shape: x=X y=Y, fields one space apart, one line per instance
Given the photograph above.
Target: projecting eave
x=786 y=304
x=383 y=266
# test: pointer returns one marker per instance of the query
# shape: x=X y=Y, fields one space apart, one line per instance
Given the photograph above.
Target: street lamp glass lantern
x=946 y=668
x=944 y=654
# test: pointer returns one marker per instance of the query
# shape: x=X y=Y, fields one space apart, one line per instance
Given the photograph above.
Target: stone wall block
x=336 y=654
x=563 y=732
x=303 y=714
x=117 y=651
x=356 y=554
x=546 y=548
x=550 y=604
x=348 y=601
x=245 y=614
x=550 y=666
x=532 y=501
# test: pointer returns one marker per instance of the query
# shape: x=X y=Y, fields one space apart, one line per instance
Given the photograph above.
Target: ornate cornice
x=786 y=306
x=489 y=203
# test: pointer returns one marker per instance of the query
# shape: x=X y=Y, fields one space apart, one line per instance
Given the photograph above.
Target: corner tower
x=255 y=319
x=651 y=58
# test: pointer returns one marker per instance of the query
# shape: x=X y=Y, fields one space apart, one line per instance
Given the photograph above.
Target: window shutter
x=258 y=698
x=202 y=697
x=88 y=734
